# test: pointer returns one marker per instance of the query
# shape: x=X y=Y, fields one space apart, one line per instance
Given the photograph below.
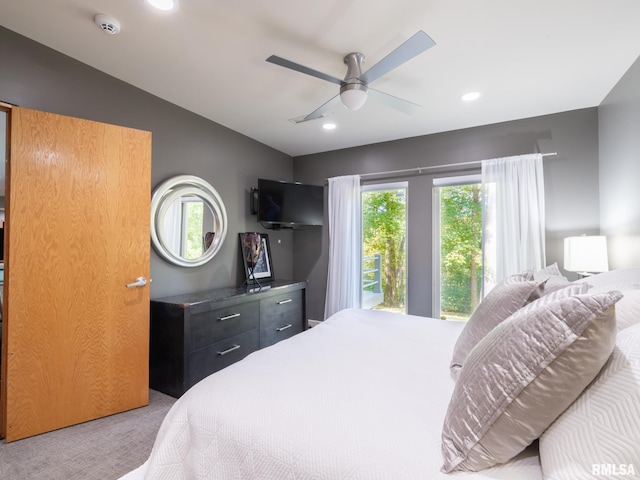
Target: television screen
x=288 y=203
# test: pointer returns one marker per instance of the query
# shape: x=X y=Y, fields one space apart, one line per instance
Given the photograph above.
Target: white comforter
x=361 y=396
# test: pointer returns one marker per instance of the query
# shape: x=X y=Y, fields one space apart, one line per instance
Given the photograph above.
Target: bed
x=363 y=395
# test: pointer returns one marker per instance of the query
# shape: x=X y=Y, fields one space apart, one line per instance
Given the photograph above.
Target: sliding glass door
x=457 y=259
x=384 y=246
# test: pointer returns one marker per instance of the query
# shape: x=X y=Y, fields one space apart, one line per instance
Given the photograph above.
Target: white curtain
x=513 y=217
x=344 y=279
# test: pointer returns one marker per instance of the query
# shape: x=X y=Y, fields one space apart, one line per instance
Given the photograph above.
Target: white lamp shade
x=586 y=254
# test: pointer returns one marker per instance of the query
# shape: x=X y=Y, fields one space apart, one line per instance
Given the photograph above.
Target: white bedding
x=361 y=396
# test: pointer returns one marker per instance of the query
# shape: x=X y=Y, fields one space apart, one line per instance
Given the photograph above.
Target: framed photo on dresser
x=263 y=268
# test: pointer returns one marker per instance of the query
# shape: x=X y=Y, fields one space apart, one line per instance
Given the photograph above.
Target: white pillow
x=598 y=436
x=627 y=308
x=614 y=279
x=625 y=280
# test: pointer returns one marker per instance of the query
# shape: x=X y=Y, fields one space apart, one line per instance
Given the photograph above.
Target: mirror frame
x=164 y=195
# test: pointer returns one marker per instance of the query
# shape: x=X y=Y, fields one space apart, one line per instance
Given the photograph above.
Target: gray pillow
x=548 y=271
x=555 y=283
x=568 y=290
x=502 y=301
x=554 y=279
x=522 y=375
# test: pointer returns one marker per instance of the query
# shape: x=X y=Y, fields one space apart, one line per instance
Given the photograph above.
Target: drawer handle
x=228 y=350
x=288 y=300
x=283 y=328
x=229 y=317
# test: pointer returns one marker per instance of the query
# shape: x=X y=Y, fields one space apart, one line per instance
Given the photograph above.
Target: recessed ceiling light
x=329 y=126
x=470 y=96
x=165 y=5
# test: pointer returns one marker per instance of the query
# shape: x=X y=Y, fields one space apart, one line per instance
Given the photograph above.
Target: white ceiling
x=208 y=56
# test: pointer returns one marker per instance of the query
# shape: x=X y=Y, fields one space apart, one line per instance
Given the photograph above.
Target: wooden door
x=77 y=232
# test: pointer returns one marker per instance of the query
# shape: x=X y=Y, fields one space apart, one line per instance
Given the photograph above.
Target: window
x=192 y=216
x=384 y=240
x=457 y=216
x=184 y=224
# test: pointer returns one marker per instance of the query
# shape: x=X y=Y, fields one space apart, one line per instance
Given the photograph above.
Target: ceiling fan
x=354 y=89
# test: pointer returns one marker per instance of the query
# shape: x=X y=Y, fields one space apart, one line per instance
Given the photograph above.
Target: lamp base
x=584 y=274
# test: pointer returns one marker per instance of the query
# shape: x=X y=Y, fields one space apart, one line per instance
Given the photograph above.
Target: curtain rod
x=432 y=167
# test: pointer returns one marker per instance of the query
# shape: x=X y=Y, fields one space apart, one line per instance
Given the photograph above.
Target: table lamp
x=586 y=255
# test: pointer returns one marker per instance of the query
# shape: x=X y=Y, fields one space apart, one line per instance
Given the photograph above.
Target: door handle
x=140 y=282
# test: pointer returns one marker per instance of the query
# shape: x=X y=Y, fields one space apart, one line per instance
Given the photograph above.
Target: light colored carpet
x=102 y=449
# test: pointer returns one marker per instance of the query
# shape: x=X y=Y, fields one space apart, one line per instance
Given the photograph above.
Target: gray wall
x=619 y=129
x=571 y=188
x=37 y=77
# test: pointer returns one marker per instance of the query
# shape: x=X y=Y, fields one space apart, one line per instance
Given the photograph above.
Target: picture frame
x=263 y=270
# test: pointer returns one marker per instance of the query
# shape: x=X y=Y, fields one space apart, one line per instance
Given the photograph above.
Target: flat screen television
x=289 y=204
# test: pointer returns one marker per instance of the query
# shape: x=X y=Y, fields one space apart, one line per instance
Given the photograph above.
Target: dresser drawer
x=279 y=308
x=273 y=332
x=212 y=358
x=196 y=334
x=211 y=326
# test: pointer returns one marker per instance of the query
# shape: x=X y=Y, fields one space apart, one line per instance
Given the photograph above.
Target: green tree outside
x=194 y=212
x=460 y=249
x=384 y=232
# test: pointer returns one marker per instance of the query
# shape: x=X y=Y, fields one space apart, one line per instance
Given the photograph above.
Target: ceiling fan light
x=353 y=95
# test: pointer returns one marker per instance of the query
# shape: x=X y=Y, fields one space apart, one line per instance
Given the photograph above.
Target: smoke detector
x=109 y=25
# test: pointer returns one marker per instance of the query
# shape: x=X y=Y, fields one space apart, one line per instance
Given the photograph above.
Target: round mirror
x=188 y=221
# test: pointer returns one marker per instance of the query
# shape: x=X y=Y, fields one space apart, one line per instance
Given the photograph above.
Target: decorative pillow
x=554 y=279
x=522 y=375
x=555 y=283
x=503 y=300
x=549 y=271
x=601 y=429
x=549 y=297
x=524 y=275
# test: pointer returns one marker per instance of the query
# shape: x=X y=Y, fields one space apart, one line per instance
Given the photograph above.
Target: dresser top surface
x=220 y=294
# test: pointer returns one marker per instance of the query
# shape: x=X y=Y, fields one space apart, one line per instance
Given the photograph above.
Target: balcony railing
x=372 y=294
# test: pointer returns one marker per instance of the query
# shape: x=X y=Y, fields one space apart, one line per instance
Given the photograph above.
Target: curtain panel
x=344 y=279
x=513 y=217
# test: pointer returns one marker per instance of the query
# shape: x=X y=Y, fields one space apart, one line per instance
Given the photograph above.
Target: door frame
x=6 y=108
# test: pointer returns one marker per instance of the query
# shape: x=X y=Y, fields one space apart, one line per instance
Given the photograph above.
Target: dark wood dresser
x=194 y=335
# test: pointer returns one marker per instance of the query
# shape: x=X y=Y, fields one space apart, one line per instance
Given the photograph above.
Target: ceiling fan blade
x=409 y=49
x=283 y=62
x=396 y=103
x=319 y=112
